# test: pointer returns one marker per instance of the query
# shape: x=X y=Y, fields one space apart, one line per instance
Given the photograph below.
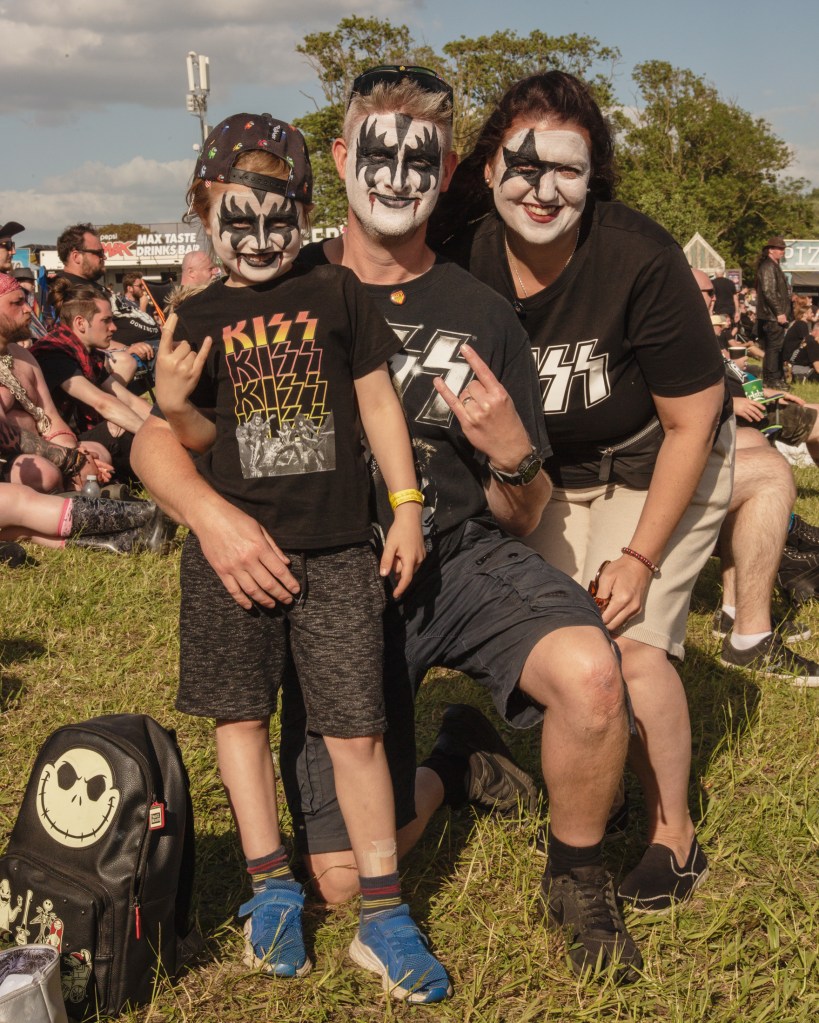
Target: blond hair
x=403 y=97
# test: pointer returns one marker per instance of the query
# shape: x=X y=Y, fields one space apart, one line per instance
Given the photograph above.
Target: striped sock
x=378 y=894
x=275 y=865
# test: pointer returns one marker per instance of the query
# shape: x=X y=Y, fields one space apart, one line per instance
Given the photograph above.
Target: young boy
x=287 y=359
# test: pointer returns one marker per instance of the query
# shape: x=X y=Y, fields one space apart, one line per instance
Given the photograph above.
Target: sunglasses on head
x=389 y=74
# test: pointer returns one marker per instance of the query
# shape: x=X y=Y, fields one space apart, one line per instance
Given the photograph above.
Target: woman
x=794 y=346
x=89 y=393
x=634 y=398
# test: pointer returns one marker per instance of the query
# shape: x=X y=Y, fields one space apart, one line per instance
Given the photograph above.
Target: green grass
x=85 y=634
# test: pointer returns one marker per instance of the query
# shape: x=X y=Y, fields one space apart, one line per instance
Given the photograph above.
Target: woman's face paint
x=539 y=179
x=393 y=174
x=256 y=234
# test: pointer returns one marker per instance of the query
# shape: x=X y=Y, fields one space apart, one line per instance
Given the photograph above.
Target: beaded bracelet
x=641 y=558
x=404 y=496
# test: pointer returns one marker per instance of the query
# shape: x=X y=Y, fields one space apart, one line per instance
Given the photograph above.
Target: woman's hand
x=623 y=583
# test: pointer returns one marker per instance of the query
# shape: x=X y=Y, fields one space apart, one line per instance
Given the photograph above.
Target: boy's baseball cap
x=242 y=133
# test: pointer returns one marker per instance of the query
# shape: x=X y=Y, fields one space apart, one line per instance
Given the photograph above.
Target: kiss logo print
x=393 y=173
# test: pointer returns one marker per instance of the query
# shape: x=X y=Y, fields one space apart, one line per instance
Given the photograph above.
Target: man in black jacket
x=773 y=303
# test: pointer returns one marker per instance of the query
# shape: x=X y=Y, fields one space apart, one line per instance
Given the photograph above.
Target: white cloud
x=138 y=191
x=64 y=59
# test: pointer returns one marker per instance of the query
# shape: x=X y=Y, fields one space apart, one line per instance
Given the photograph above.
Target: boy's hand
x=404 y=547
x=178 y=368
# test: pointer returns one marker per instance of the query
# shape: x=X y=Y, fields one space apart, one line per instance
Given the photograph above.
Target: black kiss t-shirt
x=432 y=316
x=624 y=320
x=280 y=379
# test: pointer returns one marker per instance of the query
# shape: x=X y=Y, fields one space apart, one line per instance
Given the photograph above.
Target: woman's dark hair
x=553 y=94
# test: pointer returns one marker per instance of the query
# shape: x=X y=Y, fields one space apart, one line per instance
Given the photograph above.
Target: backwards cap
x=242 y=133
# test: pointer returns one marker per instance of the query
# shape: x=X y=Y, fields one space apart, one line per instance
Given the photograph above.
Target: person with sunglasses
x=7 y=246
x=482 y=602
x=83 y=258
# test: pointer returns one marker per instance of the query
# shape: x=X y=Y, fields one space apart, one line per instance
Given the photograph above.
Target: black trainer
x=790 y=631
x=495 y=781
x=582 y=903
x=803 y=536
x=798 y=574
x=771 y=657
x=658 y=882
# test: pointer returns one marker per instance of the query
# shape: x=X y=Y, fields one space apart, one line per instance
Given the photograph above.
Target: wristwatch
x=525 y=472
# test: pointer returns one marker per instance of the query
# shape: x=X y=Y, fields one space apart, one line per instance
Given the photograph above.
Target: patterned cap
x=242 y=133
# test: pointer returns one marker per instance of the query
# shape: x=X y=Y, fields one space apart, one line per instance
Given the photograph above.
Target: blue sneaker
x=391 y=945
x=273 y=940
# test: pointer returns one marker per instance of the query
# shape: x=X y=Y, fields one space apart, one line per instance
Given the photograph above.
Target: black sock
x=452 y=770
x=561 y=858
x=379 y=894
x=275 y=865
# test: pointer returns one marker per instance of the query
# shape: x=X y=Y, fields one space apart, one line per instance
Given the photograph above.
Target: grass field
x=85 y=634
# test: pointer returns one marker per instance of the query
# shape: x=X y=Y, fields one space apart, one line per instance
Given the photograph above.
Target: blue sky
x=92 y=92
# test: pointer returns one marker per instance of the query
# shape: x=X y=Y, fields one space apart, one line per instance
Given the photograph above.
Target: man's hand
x=747 y=409
x=252 y=567
x=784 y=396
x=178 y=368
x=487 y=415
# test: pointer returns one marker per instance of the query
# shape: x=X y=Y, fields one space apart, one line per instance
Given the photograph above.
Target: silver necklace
x=513 y=263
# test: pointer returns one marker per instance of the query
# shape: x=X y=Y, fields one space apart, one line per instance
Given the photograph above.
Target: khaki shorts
x=581 y=529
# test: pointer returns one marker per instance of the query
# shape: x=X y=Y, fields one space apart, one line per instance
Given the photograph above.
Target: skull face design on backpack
x=77 y=797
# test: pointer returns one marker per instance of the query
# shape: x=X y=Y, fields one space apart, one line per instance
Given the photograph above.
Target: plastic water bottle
x=91 y=488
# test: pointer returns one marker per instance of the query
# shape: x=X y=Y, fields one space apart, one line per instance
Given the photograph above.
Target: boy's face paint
x=539 y=179
x=256 y=234
x=393 y=174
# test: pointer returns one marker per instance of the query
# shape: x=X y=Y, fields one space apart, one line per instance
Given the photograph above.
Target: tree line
x=686 y=157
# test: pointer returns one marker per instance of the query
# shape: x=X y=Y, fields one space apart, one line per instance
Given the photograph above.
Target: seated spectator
x=27 y=280
x=119 y=527
x=89 y=393
x=799 y=344
x=83 y=257
x=45 y=457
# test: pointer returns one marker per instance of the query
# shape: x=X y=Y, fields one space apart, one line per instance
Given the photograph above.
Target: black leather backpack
x=100 y=861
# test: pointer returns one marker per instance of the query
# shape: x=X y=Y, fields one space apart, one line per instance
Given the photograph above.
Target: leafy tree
x=695 y=162
x=479 y=70
x=337 y=58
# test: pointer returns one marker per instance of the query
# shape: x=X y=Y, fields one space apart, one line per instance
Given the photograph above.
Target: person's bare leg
x=246 y=769
x=661 y=754
x=28 y=509
x=334 y=873
x=754 y=532
x=573 y=672
x=365 y=796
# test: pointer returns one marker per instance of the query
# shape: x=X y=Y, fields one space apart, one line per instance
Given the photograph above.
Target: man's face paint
x=393 y=173
x=539 y=180
x=256 y=234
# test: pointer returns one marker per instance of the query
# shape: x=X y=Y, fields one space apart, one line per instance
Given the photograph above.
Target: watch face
x=529 y=468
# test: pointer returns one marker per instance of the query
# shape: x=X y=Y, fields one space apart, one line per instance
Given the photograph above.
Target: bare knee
x=37 y=473
x=360 y=750
x=578 y=676
x=333 y=876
